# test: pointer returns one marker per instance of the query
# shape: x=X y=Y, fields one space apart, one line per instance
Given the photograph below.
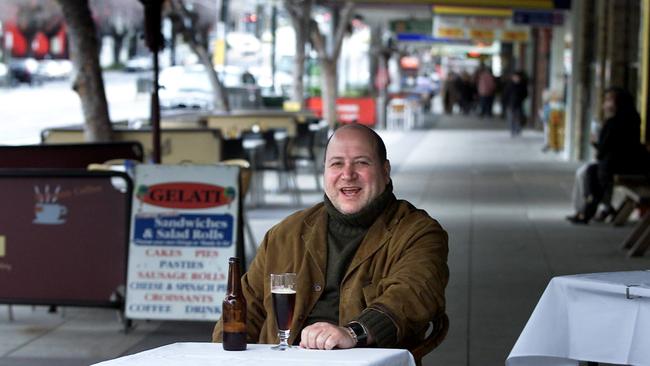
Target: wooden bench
x=198 y=146
x=77 y=156
x=637 y=194
x=626 y=184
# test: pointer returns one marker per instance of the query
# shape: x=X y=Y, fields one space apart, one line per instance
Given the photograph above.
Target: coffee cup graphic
x=49 y=213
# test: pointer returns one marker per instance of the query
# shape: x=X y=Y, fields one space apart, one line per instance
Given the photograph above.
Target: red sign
x=186 y=195
x=409 y=62
x=348 y=110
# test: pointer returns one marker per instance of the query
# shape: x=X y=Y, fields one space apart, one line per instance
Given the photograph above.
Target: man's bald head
x=378 y=143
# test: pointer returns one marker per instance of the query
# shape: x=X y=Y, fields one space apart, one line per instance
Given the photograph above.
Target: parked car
x=189 y=87
x=54 y=69
x=184 y=87
x=35 y=72
x=24 y=70
x=139 y=63
x=242 y=45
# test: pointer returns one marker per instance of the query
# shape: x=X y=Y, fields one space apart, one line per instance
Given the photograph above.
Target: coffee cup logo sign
x=47 y=211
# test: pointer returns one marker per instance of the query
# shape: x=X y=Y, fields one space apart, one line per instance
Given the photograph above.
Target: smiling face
x=354 y=174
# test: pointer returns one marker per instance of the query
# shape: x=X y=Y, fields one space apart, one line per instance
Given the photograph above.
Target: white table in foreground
x=599 y=317
x=212 y=354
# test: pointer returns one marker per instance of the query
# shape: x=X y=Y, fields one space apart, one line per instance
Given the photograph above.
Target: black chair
x=308 y=147
x=274 y=156
x=233 y=149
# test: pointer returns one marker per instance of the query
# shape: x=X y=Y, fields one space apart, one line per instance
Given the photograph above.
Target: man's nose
x=349 y=172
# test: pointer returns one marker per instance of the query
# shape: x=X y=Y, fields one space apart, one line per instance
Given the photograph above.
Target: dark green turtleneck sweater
x=344 y=234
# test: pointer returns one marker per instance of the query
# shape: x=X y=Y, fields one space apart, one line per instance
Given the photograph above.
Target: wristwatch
x=358 y=333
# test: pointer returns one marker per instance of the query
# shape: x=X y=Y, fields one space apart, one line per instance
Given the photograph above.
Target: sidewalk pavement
x=501 y=200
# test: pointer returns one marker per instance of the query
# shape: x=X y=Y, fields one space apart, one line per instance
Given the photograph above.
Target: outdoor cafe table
x=236 y=122
x=598 y=317
x=212 y=354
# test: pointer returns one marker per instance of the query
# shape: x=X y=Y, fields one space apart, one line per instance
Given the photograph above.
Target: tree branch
x=317 y=39
x=293 y=9
x=346 y=16
x=179 y=14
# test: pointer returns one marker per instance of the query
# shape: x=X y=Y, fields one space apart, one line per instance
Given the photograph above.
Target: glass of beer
x=283 y=292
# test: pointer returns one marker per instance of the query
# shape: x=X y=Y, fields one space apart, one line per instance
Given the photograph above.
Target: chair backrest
x=302 y=147
x=271 y=152
x=304 y=136
x=440 y=326
x=233 y=149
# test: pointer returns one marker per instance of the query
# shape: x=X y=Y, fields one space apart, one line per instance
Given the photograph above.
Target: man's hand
x=325 y=335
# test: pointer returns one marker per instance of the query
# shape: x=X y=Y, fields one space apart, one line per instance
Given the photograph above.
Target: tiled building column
x=583 y=30
x=622 y=44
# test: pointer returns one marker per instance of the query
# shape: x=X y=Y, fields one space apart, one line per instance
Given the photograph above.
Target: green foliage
x=356 y=91
x=314 y=91
x=116 y=66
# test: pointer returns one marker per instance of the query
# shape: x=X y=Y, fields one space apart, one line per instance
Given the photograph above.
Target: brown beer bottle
x=234 y=310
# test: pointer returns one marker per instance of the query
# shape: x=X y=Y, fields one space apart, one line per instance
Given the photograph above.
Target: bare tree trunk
x=300 y=12
x=328 y=60
x=132 y=48
x=329 y=90
x=220 y=95
x=88 y=81
x=298 y=89
x=172 y=46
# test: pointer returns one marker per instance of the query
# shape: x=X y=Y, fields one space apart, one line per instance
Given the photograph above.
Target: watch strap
x=358 y=333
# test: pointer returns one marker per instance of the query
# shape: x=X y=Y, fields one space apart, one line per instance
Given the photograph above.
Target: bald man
x=371 y=269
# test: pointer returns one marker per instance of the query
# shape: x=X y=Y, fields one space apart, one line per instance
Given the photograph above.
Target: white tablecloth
x=212 y=354
x=600 y=317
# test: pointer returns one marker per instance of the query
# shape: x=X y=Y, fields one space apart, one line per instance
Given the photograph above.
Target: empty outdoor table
x=233 y=124
x=598 y=317
x=212 y=354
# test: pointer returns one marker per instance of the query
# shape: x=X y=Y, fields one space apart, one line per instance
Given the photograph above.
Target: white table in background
x=212 y=354
x=599 y=317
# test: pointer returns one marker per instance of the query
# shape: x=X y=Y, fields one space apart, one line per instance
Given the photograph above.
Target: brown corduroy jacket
x=399 y=269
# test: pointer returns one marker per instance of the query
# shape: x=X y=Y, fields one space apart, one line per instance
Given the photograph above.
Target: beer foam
x=284 y=291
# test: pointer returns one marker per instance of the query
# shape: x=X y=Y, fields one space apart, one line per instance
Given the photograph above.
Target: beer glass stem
x=284 y=339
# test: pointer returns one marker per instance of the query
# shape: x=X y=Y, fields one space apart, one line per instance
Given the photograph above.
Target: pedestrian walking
x=516 y=93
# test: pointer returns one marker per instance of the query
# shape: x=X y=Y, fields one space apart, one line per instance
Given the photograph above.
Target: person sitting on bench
x=618 y=151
